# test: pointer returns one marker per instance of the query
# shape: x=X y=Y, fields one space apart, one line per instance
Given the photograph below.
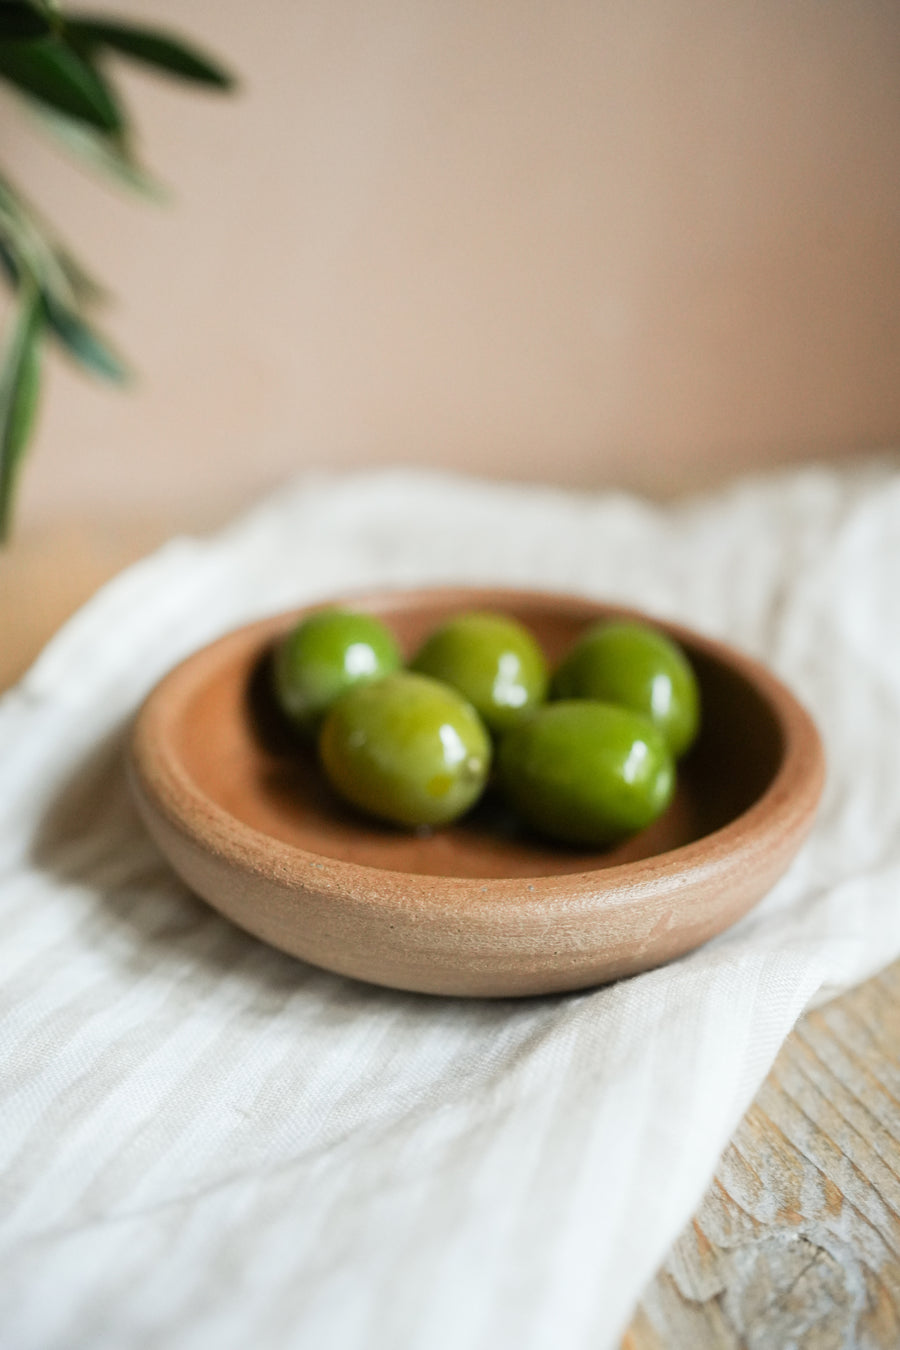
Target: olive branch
x=58 y=64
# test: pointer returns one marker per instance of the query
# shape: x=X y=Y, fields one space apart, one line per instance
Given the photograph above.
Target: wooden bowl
x=479 y=908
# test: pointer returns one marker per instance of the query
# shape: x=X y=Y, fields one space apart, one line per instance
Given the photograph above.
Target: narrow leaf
x=152 y=47
x=107 y=154
x=85 y=287
x=58 y=76
x=84 y=344
x=20 y=21
x=19 y=391
x=32 y=248
x=30 y=255
x=26 y=246
x=8 y=263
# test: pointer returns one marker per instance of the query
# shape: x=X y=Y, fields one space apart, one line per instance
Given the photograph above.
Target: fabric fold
x=208 y=1145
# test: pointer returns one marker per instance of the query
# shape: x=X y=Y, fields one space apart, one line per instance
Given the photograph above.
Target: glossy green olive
x=406 y=749
x=587 y=773
x=638 y=667
x=324 y=656
x=492 y=660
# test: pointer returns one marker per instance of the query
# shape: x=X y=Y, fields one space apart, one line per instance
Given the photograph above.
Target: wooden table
x=797 y=1241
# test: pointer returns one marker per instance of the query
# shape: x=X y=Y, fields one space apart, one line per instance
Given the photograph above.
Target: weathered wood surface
x=796 y=1244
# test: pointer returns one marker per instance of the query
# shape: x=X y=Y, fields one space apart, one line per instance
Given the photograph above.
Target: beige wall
x=626 y=241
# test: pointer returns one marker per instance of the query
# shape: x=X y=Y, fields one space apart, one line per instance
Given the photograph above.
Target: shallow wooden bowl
x=245 y=817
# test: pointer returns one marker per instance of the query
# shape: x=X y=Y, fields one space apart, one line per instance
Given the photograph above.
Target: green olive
x=587 y=773
x=407 y=749
x=325 y=655
x=638 y=667
x=492 y=660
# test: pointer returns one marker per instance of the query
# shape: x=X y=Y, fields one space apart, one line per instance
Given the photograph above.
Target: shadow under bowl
x=480 y=908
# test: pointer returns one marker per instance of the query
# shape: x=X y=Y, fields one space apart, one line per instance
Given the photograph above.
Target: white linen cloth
x=207 y=1145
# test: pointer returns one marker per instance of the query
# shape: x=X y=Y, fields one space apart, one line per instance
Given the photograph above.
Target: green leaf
x=19 y=391
x=84 y=344
x=20 y=21
x=26 y=246
x=9 y=264
x=32 y=249
x=108 y=155
x=151 y=46
x=59 y=77
x=86 y=289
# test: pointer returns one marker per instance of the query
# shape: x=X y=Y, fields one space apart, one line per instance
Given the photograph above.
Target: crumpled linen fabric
x=208 y=1145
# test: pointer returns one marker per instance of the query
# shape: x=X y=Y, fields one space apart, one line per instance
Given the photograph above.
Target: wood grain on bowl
x=479 y=908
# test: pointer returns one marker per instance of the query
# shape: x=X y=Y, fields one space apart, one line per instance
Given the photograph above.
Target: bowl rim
x=782 y=808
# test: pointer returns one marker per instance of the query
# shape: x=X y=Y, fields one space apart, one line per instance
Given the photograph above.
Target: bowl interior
x=236 y=749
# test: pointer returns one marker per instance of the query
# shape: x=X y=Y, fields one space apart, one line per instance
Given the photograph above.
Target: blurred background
x=640 y=244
